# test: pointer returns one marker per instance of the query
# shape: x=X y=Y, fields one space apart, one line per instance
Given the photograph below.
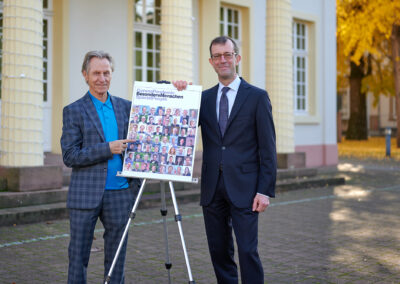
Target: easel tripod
x=178 y=219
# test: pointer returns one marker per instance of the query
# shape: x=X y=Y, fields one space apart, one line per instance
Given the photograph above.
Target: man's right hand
x=119 y=146
x=181 y=85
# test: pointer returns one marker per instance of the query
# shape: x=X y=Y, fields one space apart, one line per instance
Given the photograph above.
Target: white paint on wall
x=323 y=129
x=99 y=25
x=258 y=44
x=328 y=52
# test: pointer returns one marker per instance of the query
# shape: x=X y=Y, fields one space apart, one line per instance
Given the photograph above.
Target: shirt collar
x=234 y=85
x=99 y=104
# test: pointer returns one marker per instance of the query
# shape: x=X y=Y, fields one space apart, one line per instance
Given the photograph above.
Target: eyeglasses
x=226 y=55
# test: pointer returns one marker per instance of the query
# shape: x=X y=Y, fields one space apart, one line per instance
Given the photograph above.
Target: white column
x=21 y=137
x=176 y=40
x=279 y=81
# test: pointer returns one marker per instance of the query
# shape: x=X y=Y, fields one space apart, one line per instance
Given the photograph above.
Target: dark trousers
x=220 y=216
x=113 y=212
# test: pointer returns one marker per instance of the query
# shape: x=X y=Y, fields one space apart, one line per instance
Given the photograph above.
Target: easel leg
x=164 y=212
x=178 y=219
x=131 y=216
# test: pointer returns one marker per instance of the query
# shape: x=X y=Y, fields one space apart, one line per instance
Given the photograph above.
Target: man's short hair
x=223 y=40
x=98 y=54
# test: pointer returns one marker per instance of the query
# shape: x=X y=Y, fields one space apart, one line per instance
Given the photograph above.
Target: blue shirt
x=110 y=129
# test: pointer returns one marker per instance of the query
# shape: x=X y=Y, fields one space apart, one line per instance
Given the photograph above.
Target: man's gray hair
x=98 y=54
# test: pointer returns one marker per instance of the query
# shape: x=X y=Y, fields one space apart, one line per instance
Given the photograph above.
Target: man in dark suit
x=239 y=165
x=94 y=128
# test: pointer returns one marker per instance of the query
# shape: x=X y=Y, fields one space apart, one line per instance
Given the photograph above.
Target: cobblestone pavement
x=342 y=234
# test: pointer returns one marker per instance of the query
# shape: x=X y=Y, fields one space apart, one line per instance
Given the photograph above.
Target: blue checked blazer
x=86 y=151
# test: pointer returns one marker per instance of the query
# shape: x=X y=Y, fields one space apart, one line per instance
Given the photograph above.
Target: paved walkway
x=343 y=234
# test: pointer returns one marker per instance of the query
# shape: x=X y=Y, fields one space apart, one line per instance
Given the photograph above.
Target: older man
x=94 y=128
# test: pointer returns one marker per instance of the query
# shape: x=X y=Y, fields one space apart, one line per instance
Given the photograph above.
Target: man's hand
x=119 y=146
x=180 y=84
x=260 y=203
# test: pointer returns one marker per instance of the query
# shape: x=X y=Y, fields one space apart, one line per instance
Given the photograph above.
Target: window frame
x=48 y=16
x=301 y=54
x=224 y=25
x=392 y=108
x=344 y=94
x=146 y=29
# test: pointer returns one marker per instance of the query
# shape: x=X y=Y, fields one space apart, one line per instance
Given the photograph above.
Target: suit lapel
x=92 y=113
x=241 y=96
x=213 y=109
x=119 y=116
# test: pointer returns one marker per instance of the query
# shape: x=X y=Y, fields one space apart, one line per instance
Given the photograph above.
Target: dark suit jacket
x=86 y=151
x=246 y=152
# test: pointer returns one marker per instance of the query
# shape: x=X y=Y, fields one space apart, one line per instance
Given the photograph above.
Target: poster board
x=163 y=127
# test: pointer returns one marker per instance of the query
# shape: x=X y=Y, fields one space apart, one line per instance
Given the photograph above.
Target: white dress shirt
x=231 y=94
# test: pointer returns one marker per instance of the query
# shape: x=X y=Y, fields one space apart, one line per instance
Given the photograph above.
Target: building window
x=300 y=67
x=229 y=24
x=147 y=40
x=392 y=108
x=47 y=31
x=45 y=57
x=344 y=102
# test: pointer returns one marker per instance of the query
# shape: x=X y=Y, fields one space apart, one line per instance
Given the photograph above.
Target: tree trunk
x=395 y=39
x=357 y=128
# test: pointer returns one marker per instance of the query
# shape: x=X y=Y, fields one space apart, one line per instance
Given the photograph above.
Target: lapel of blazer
x=119 y=116
x=212 y=101
x=243 y=92
x=92 y=113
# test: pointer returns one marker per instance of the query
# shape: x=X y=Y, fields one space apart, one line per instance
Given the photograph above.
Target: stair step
x=33 y=214
x=54 y=211
x=294 y=184
x=283 y=174
x=29 y=207
x=153 y=186
x=154 y=200
x=29 y=198
x=22 y=199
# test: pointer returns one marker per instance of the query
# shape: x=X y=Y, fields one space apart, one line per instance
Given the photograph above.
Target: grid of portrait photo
x=163 y=140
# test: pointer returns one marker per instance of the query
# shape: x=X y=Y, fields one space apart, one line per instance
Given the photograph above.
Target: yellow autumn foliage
x=364 y=28
x=373 y=148
x=361 y=22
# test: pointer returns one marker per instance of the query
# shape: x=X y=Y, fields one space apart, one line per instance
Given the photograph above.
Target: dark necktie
x=223 y=110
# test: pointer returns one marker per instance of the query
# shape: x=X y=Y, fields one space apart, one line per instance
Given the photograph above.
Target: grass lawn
x=374 y=147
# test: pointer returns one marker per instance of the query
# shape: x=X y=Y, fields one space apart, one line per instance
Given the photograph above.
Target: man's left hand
x=260 y=203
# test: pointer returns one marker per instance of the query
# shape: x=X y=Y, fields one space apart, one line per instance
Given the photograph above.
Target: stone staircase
x=36 y=206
